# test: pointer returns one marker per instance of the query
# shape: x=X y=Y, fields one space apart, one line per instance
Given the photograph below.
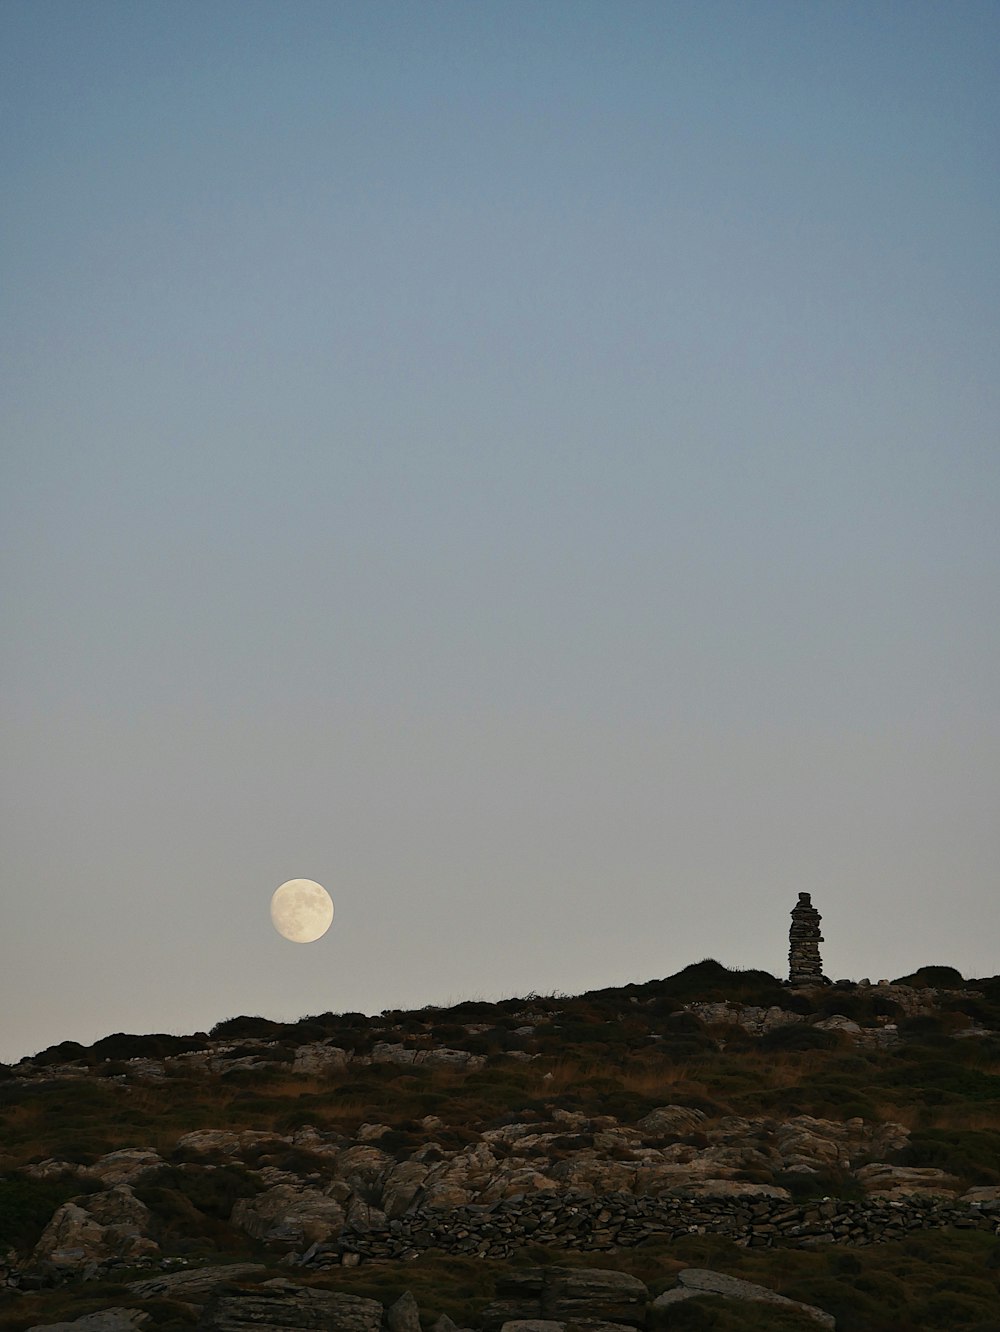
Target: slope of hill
x=837 y=1146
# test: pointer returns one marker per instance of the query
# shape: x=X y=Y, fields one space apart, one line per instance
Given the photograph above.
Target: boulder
x=360 y=1166
x=311 y=1060
x=404 y=1315
x=694 y=1281
x=891 y=1181
x=806 y=1144
x=732 y=1188
x=445 y=1324
x=757 y=1021
x=838 y=1022
x=290 y=1213
x=578 y=1294
x=451 y=1059
x=672 y=1121
x=372 y=1132
x=361 y=1217
x=383 y=1052
x=124 y=1167
x=209 y=1142
x=111 y=1225
x=52 y=1169
x=509 y=1133
x=585 y=1296
x=309 y=1139
x=401 y=1185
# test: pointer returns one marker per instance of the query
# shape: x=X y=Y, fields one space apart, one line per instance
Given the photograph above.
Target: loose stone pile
x=805 y=967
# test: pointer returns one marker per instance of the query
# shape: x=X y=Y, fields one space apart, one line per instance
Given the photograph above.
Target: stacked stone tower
x=805 y=967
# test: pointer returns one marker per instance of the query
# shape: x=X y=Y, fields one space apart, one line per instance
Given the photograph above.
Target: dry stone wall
x=623 y=1221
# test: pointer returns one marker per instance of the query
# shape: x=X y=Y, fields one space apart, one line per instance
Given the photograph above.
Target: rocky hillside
x=711 y=1150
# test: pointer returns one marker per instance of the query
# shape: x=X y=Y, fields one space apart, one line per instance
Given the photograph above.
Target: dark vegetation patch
x=190 y=1207
x=945 y=978
x=800 y=1038
x=246 y=1028
x=972 y=1155
x=27 y=1205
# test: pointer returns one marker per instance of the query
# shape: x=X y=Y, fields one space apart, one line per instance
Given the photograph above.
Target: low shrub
x=944 y=978
x=66 y=1052
x=27 y=1205
x=246 y=1028
x=972 y=1155
x=799 y=1038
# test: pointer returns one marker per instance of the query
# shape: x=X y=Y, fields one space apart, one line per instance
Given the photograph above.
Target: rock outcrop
x=283 y=1304
x=695 y=1281
x=291 y=1214
x=585 y=1296
x=112 y=1225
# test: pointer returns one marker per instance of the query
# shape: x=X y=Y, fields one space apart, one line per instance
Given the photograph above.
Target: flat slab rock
x=195 y=1282
x=552 y=1325
x=694 y=1281
x=105 y=1320
x=280 y=1304
x=591 y=1297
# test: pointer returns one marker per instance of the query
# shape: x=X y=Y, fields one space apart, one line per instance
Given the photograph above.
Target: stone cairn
x=805 y=966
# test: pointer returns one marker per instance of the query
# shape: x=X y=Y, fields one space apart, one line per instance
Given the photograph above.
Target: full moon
x=301 y=910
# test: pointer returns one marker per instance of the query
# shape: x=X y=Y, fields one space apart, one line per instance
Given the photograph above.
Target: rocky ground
x=322 y=1198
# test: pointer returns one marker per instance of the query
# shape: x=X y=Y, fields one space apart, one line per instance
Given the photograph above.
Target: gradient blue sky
x=532 y=467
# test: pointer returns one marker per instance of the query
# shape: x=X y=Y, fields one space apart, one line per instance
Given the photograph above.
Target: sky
x=533 y=468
